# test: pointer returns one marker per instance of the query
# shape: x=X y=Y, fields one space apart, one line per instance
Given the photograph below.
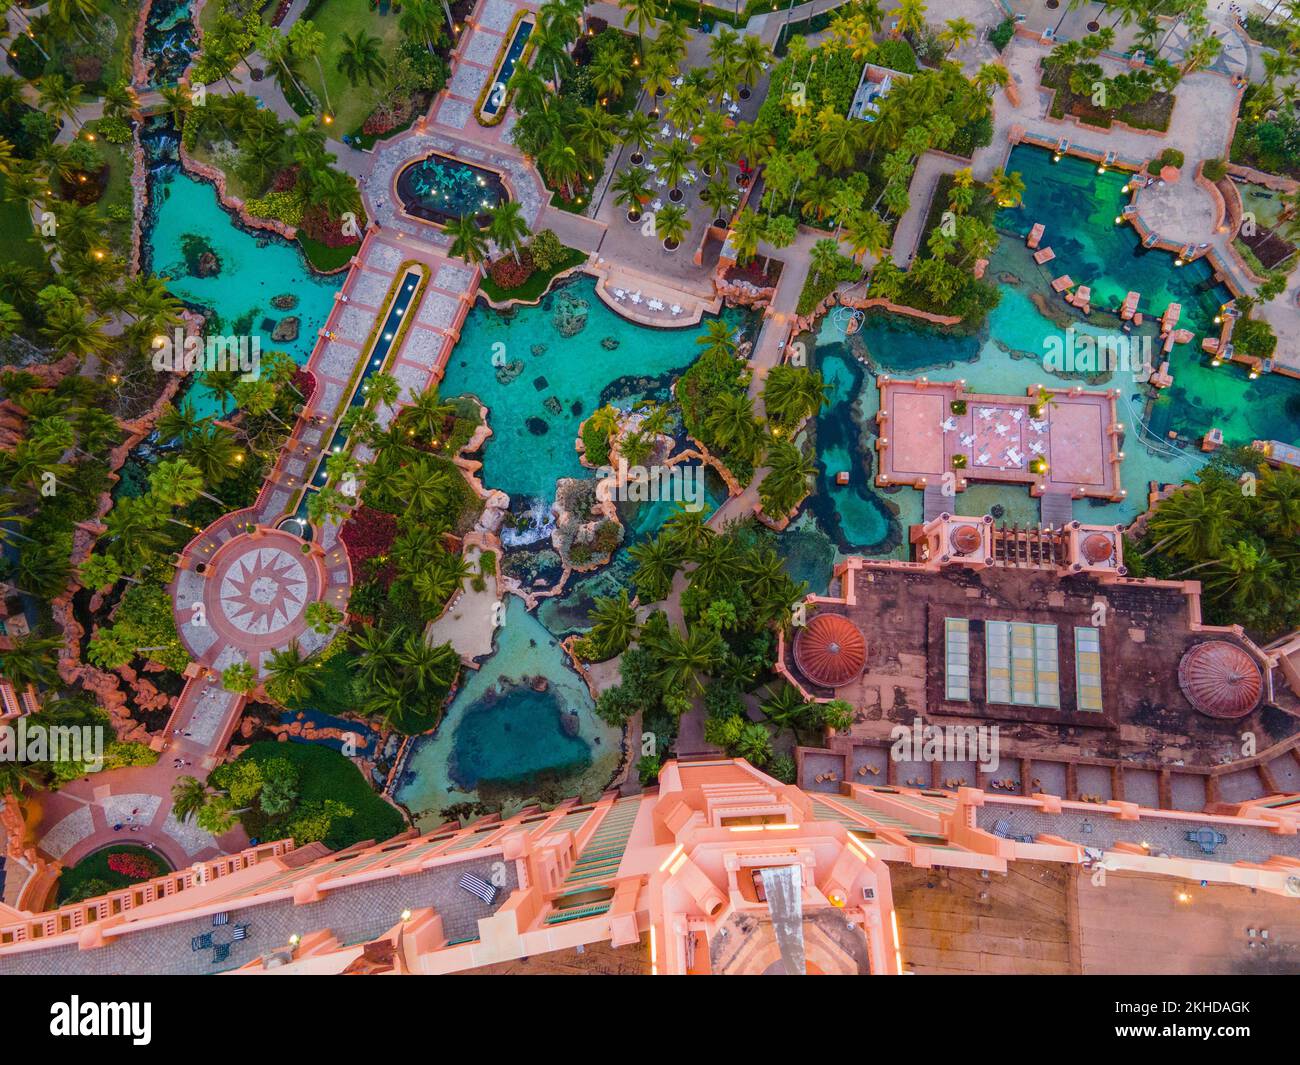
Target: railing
x=78 y=915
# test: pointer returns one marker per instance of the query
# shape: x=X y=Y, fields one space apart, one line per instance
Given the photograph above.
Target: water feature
x=1163 y=428
x=502 y=738
x=170 y=41
x=378 y=355
x=562 y=360
x=186 y=219
x=496 y=98
x=441 y=189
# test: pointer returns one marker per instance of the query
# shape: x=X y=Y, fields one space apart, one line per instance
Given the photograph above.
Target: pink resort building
x=719 y=870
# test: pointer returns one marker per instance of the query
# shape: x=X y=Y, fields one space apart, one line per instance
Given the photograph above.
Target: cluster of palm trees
x=506 y=229
x=1242 y=545
x=690 y=107
x=401 y=678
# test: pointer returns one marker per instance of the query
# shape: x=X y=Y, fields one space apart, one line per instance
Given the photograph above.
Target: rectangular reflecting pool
x=496 y=96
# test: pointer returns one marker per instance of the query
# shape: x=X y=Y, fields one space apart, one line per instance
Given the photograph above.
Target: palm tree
x=792 y=393
x=215 y=451
x=31 y=660
x=637 y=132
x=468 y=241
x=684 y=659
x=307 y=42
x=720 y=197
x=1193 y=524
x=1006 y=190
x=643 y=13
x=672 y=162
x=657 y=561
x=911 y=18
x=179 y=424
x=292 y=673
x=718 y=338
x=751 y=57
x=672 y=225
x=746 y=231
x=58 y=98
x=866 y=234
x=507 y=227
x=419 y=20
x=361 y=58
x=788 y=478
x=178 y=483
x=189 y=796
x=958 y=31
x=786 y=708
x=730 y=423
x=609 y=71
x=631 y=190
x=613 y=624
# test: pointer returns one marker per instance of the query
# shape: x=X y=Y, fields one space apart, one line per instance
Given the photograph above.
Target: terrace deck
x=1075 y=434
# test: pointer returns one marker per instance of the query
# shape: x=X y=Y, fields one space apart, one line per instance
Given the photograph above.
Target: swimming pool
x=442 y=189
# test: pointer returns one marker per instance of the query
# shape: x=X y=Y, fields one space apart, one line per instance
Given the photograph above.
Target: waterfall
x=783 y=887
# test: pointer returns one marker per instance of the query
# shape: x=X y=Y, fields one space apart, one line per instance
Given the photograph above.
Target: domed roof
x=830 y=650
x=1097 y=548
x=1220 y=679
x=965 y=539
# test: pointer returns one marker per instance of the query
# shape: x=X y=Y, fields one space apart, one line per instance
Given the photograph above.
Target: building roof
x=1220 y=679
x=830 y=650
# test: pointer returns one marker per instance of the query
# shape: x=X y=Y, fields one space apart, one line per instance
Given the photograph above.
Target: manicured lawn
x=325 y=774
x=335 y=18
x=15 y=232
x=531 y=290
x=322 y=256
x=95 y=867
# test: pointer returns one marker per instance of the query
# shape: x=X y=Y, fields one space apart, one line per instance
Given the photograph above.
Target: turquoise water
x=568 y=613
x=253 y=270
x=561 y=379
x=1079 y=207
x=1163 y=429
x=501 y=738
x=441 y=189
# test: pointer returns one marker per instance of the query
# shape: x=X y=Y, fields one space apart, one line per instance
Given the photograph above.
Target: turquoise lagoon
x=1079 y=207
x=535 y=415
x=502 y=738
x=253 y=269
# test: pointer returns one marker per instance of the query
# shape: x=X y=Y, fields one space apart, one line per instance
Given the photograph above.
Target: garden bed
x=1152 y=114
x=95 y=875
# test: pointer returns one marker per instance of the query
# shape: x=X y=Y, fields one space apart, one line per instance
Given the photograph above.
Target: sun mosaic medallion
x=263 y=591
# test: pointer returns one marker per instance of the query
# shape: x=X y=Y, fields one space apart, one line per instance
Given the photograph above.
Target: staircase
x=1056 y=510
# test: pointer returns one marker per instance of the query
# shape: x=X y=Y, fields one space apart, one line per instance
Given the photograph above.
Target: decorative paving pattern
x=139 y=807
x=369 y=288
x=481 y=48
x=263 y=590
x=423 y=348
x=354 y=324
x=455 y=113
x=467 y=82
x=438 y=310
x=497 y=15
x=452 y=278
x=209 y=713
x=192 y=839
x=68 y=833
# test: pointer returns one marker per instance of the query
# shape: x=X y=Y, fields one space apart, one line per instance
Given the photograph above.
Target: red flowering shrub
x=305 y=382
x=285 y=179
x=508 y=274
x=320 y=226
x=367 y=534
x=133 y=866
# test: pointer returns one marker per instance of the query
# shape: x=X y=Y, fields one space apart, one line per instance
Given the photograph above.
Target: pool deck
x=612 y=278
x=1077 y=435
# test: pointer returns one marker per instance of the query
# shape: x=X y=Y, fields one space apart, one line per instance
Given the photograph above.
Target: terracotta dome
x=965 y=539
x=830 y=650
x=1097 y=548
x=1220 y=679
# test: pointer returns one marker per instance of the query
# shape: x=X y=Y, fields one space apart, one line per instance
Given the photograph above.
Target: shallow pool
x=542 y=370
x=502 y=739
x=441 y=189
x=251 y=270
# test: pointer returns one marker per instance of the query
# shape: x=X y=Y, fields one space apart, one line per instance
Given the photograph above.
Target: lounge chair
x=220 y=953
x=240 y=931
x=218 y=919
x=202 y=942
x=478 y=887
